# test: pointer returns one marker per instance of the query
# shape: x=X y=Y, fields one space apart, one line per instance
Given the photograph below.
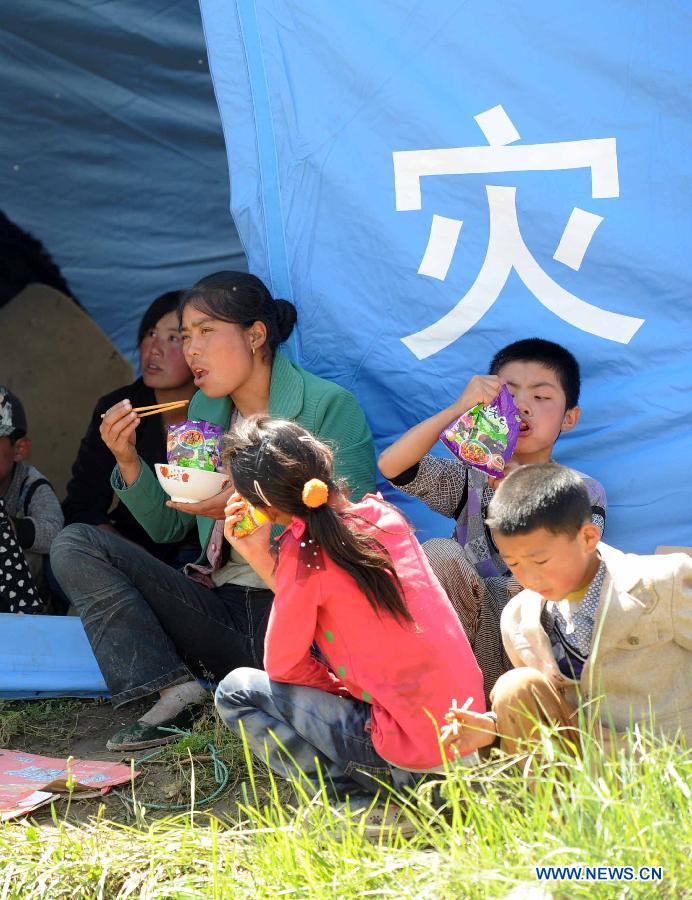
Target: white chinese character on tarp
x=506 y=247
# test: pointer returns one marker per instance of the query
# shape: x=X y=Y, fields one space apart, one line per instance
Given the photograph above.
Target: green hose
x=221 y=775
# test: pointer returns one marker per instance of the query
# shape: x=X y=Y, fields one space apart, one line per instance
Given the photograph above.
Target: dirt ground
x=80 y=728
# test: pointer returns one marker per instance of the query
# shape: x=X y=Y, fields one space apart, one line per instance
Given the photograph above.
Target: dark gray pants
x=149 y=625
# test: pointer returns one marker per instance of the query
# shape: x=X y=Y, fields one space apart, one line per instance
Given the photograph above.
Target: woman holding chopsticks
x=165 y=378
x=153 y=629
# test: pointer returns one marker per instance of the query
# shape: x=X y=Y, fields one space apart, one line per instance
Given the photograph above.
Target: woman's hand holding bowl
x=213 y=508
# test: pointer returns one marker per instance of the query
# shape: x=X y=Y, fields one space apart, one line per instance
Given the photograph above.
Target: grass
x=476 y=837
x=36 y=717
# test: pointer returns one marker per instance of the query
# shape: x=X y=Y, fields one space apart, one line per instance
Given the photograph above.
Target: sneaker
x=384 y=819
x=374 y=820
x=141 y=735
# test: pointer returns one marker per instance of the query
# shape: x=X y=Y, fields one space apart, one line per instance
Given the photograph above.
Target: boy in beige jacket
x=596 y=630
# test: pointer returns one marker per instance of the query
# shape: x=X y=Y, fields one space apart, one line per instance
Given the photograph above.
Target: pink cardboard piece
x=24 y=777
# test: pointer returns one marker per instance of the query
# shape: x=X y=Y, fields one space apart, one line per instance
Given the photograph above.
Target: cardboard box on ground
x=58 y=362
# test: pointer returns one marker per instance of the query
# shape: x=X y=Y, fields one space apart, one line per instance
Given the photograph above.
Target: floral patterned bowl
x=187 y=485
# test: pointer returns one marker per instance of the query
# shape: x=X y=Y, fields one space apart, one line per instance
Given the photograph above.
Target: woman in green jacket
x=154 y=629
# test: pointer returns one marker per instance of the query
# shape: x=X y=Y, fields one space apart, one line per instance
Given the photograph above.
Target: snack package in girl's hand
x=250 y=522
x=485 y=436
x=194 y=444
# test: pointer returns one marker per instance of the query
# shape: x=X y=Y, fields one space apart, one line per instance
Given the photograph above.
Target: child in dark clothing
x=165 y=376
x=30 y=514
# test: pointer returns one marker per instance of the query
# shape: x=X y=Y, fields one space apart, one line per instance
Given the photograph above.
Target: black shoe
x=141 y=735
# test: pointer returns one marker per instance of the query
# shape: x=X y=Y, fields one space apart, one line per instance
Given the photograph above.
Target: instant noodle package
x=485 y=437
x=194 y=444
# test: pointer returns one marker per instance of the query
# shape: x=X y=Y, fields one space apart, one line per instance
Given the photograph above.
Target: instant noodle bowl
x=485 y=437
x=191 y=439
x=474 y=452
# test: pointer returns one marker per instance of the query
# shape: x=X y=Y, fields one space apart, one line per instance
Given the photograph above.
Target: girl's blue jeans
x=299 y=730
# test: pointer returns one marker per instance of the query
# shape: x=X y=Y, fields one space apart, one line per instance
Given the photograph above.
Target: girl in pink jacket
x=363 y=650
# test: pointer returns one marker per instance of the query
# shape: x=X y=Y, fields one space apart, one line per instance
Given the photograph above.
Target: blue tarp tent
x=430 y=181
x=426 y=181
x=111 y=151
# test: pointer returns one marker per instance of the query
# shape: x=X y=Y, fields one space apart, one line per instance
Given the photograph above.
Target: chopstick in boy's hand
x=451 y=731
x=455 y=708
x=467 y=730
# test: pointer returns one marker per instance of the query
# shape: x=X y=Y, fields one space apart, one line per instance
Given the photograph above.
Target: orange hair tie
x=315 y=493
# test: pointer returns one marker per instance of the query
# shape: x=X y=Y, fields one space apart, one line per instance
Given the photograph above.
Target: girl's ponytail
x=363 y=557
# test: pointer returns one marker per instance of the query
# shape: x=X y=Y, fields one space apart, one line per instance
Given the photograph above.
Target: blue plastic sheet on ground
x=430 y=181
x=47 y=656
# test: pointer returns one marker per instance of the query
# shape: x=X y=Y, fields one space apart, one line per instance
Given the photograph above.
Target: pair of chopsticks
x=156 y=408
x=143 y=411
x=450 y=731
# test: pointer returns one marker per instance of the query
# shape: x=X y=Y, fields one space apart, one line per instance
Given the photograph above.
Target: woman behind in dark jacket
x=165 y=376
